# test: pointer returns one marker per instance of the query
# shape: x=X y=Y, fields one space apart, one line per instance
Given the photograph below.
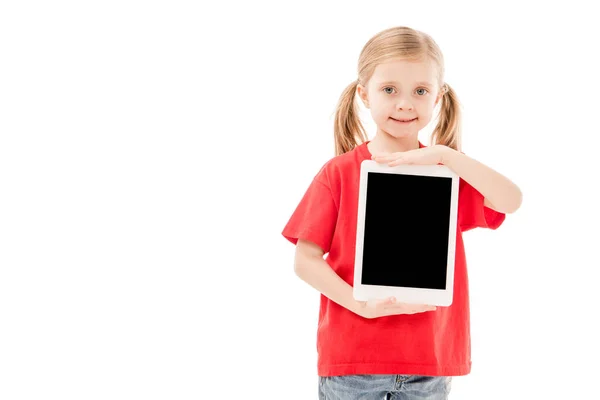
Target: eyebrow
x=422 y=83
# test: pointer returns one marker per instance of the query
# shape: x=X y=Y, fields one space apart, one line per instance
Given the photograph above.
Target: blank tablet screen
x=407 y=220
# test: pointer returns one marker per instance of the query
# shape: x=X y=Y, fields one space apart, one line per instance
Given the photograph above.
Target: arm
x=499 y=192
x=310 y=266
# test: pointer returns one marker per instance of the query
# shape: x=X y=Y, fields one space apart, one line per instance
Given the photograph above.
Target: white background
x=151 y=153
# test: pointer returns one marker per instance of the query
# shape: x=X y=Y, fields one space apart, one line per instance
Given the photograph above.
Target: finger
x=388 y=156
x=383 y=303
x=398 y=161
x=383 y=159
x=403 y=160
x=387 y=302
x=405 y=308
x=425 y=308
x=379 y=155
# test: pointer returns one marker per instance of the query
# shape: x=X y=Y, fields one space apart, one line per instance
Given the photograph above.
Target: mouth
x=404 y=121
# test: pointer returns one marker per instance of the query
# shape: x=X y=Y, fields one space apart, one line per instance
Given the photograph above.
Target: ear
x=438 y=98
x=362 y=93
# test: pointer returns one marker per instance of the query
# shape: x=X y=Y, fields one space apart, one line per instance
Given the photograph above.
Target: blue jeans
x=380 y=387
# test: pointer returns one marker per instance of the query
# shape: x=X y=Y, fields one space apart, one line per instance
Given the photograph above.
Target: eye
x=423 y=89
x=387 y=87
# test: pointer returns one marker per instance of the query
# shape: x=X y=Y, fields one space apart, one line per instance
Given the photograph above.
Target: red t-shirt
x=435 y=343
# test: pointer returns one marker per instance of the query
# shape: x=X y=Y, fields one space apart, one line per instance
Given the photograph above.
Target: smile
x=403 y=121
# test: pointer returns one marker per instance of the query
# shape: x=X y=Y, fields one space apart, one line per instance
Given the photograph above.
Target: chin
x=400 y=134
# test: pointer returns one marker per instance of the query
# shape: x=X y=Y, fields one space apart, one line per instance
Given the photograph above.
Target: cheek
x=383 y=109
x=379 y=110
x=426 y=109
x=380 y=115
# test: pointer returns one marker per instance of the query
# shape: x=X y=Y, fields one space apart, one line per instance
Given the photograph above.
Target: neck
x=384 y=143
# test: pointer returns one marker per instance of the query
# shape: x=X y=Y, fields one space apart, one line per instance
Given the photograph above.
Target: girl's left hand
x=423 y=156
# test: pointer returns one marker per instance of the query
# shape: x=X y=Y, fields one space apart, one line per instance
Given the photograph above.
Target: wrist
x=448 y=155
x=365 y=310
x=358 y=307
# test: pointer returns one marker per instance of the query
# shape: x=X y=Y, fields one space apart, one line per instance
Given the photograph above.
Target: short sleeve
x=472 y=213
x=314 y=218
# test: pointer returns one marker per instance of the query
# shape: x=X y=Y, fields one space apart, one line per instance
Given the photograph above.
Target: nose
x=403 y=103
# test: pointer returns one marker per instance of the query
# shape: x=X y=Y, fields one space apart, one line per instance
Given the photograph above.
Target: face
x=401 y=90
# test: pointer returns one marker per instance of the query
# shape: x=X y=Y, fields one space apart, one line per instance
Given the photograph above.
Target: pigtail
x=348 y=130
x=448 y=129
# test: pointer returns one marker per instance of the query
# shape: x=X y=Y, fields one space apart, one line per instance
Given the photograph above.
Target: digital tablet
x=406 y=233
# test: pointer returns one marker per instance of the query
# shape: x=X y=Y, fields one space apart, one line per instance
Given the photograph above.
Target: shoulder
x=337 y=168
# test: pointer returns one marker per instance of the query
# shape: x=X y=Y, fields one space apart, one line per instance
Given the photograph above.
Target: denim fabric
x=388 y=387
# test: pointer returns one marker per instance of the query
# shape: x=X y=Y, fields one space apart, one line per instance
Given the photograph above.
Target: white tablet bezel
x=436 y=297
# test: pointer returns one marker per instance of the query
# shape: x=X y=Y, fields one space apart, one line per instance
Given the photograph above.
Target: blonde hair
x=398 y=42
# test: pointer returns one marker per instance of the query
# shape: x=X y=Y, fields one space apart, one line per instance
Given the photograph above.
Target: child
x=382 y=349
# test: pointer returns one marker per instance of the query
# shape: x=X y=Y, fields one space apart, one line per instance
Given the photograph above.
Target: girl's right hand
x=383 y=308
